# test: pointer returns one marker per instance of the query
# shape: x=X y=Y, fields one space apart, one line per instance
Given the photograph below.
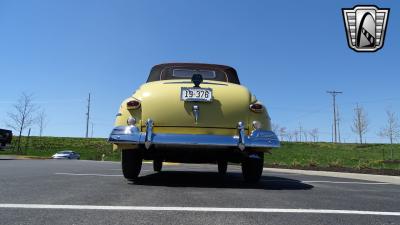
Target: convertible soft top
x=164 y=71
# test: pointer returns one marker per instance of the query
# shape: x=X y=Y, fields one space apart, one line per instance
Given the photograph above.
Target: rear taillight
x=256 y=107
x=134 y=104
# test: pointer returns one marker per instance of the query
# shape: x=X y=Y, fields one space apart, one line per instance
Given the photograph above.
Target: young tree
x=305 y=135
x=360 y=122
x=275 y=128
x=314 y=133
x=392 y=128
x=296 y=135
x=282 y=132
x=301 y=131
x=41 y=121
x=22 y=116
x=289 y=136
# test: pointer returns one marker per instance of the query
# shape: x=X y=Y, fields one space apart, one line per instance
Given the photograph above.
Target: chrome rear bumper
x=132 y=135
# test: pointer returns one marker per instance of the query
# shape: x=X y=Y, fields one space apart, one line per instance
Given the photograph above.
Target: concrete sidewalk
x=359 y=176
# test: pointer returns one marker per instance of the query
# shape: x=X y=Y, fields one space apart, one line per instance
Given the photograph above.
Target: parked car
x=195 y=113
x=5 y=138
x=66 y=155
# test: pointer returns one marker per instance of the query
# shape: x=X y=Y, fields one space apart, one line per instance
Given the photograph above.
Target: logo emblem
x=365 y=27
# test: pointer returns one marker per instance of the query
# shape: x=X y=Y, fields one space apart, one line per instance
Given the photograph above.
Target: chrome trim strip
x=194 y=140
x=132 y=135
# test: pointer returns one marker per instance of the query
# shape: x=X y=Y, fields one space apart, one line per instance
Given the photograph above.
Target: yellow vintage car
x=193 y=113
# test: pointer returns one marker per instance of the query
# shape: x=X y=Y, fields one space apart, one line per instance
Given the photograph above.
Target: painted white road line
x=341 y=182
x=111 y=162
x=325 y=181
x=142 y=170
x=197 y=209
x=357 y=176
x=90 y=174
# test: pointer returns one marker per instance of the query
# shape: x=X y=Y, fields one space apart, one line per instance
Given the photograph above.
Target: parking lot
x=90 y=192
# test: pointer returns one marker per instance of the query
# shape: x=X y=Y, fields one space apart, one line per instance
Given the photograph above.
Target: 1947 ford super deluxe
x=195 y=113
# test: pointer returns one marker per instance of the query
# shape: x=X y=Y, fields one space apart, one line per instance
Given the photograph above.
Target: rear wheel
x=222 y=167
x=157 y=165
x=252 y=168
x=131 y=163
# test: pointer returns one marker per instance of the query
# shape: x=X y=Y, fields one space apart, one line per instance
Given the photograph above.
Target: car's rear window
x=188 y=73
x=65 y=152
x=170 y=73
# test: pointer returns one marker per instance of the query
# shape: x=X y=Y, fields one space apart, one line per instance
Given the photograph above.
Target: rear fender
x=263 y=117
x=124 y=114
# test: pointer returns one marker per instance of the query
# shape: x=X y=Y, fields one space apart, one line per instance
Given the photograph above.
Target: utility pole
x=338 y=122
x=334 y=93
x=91 y=135
x=88 y=117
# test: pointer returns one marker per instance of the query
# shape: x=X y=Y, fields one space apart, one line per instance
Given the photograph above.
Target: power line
x=334 y=93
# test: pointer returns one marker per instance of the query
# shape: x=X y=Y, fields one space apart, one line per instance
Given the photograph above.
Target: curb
x=19 y=157
x=358 y=176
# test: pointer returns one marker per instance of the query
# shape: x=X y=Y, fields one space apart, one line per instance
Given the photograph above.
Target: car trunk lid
x=161 y=102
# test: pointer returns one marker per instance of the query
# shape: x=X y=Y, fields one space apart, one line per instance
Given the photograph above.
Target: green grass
x=88 y=148
x=334 y=155
x=289 y=155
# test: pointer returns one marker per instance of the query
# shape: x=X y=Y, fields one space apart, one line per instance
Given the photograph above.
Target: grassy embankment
x=328 y=155
x=290 y=155
x=90 y=148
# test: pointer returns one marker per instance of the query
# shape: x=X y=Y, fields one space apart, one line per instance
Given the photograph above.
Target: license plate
x=196 y=94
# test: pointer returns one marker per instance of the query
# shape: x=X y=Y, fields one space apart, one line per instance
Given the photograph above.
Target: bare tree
x=296 y=135
x=360 y=122
x=314 y=133
x=289 y=136
x=275 y=128
x=282 y=132
x=41 y=121
x=305 y=134
x=300 y=131
x=22 y=116
x=392 y=129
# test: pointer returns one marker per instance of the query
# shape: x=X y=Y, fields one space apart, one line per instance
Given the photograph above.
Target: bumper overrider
x=131 y=135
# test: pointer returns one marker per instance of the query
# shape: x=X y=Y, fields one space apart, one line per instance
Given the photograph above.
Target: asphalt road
x=89 y=192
